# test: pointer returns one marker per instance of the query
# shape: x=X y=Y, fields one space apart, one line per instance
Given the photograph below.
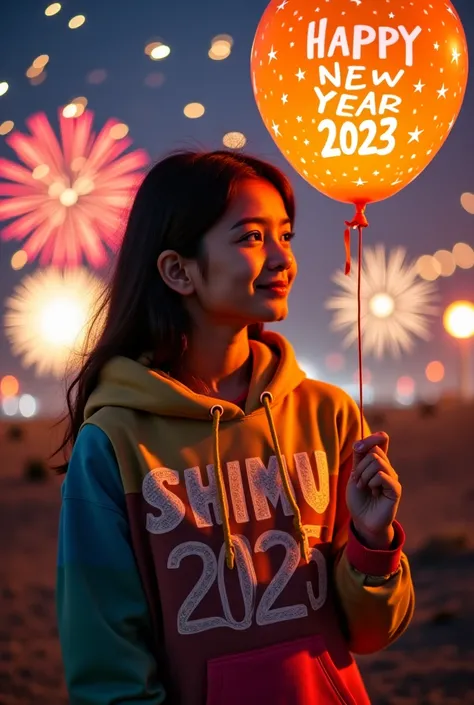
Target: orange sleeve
x=374 y=588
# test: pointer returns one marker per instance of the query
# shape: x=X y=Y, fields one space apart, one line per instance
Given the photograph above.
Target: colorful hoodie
x=206 y=555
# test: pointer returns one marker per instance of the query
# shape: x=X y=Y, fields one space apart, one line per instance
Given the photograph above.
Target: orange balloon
x=359 y=95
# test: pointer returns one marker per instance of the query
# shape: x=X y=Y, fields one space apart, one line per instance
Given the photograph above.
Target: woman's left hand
x=373 y=492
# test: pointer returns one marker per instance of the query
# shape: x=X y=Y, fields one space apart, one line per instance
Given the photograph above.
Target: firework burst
x=67 y=199
x=395 y=304
x=47 y=319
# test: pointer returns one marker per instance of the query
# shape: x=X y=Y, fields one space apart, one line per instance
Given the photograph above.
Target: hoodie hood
x=129 y=384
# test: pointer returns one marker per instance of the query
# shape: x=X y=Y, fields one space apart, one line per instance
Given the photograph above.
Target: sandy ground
x=432 y=664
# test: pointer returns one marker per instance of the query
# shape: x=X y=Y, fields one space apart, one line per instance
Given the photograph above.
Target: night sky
x=424 y=217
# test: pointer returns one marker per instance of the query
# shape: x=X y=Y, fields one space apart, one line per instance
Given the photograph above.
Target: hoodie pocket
x=298 y=672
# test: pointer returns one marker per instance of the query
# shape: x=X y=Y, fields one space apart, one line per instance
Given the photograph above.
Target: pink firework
x=67 y=201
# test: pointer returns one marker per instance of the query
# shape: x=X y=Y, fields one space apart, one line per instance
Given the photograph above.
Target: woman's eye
x=288 y=236
x=254 y=236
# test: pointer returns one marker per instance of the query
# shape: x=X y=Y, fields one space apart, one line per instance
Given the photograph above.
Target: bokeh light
x=335 y=362
x=434 y=371
x=6 y=126
x=52 y=9
x=80 y=104
x=405 y=390
x=39 y=79
x=150 y=46
x=34 y=72
x=40 y=61
x=70 y=110
x=27 y=406
x=119 y=131
x=76 y=21
x=3 y=87
x=467 y=202
x=9 y=386
x=19 y=259
x=75 y=108
x=463 y=255
x=40 y=171
x=366 y=376
x=428 y=268
x=194 y=110
x=10 y=406
x=96 y=76
x=458 y=319
x=154 y=79
x=159 y=51
x=221 y=47
x=234 y=140
x=446 y=262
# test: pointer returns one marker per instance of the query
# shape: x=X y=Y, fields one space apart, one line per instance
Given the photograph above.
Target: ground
x=432 y=664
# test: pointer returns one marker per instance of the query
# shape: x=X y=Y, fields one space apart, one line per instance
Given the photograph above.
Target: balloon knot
x=359 y=220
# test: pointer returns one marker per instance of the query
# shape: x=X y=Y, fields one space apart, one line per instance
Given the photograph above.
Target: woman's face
x=250 y=267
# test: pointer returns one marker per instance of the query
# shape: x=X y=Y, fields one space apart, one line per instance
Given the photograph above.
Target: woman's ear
x=175 y=272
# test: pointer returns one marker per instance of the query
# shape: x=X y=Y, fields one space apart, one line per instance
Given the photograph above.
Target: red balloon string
x=359 y=222
x=359 y=334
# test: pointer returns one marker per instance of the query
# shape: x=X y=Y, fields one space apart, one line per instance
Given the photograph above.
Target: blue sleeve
x=103 y=619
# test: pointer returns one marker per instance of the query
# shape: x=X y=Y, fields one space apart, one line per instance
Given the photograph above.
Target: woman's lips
x=279 y=289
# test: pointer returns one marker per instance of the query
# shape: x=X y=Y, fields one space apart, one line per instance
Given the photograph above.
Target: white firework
x=396 y=305
x=48 y=318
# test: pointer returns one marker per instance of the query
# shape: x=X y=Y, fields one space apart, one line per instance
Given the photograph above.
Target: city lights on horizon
x=12 y=403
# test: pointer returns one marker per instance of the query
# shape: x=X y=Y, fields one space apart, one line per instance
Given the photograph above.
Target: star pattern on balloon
x=291 y=88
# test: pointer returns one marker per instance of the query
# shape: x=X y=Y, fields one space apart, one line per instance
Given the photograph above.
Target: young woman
x=226 y=537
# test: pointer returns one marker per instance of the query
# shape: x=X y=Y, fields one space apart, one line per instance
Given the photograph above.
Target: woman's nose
x=280 y=258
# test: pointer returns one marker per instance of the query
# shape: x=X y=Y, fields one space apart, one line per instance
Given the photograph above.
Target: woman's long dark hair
x=180 y=199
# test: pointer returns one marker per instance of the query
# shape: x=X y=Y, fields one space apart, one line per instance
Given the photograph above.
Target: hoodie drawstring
x=216 y=412
x=266 y=398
